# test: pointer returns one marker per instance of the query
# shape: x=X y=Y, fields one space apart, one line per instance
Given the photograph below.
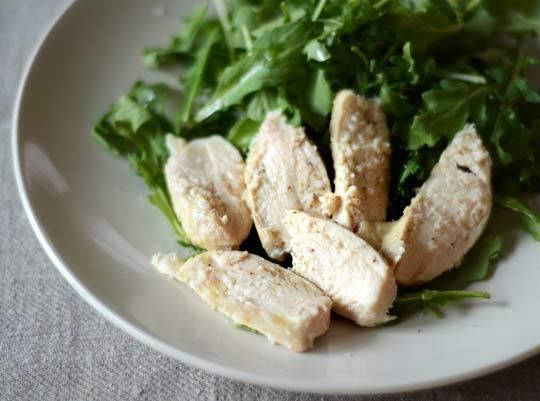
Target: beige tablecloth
x=53 y=346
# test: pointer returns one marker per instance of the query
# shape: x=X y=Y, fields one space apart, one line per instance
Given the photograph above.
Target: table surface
x=53 y=346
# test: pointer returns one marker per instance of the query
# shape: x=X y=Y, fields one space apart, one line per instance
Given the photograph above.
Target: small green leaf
x=245 y=328
x=160 y=198
x=522 y=17
x=447 y=110
x=127 y=111
x=241 y=134
x=404 y=66
x=135 y=128
x=421 y=22
x=529 y=218
x=321 y=95
x=395 y=102
x=179 y=45
x=476 y=265
x=431 y=300
x=194 y=78
x=272 y=61
x=316 y=51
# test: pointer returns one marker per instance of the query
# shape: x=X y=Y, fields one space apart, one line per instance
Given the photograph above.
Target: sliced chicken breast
x=357 y=278
x=360 y=143
x=447 y=216
x=256 y=293
x=205 y=178
x=374 y=232
x=284 y=171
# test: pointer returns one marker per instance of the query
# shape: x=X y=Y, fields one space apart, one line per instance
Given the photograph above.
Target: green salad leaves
x=450 y=286
x=135 y=128
x=434 y=65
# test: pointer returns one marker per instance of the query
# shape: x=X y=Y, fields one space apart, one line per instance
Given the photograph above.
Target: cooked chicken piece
x=361 y=151
x=374 y=232
x=284 y=171
x=205 y=178
x=256 y=293
x=447 y=216
x=359 y=281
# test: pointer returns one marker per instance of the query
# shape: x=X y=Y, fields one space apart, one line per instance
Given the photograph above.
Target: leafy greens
x=434 y=65
x=135 y=128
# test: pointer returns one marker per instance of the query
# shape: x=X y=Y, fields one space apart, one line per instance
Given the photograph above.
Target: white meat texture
x=446 y=217
x=355 y=276
x=205 y=178
x=360 y=143
x=284 y=171
x=255 y=292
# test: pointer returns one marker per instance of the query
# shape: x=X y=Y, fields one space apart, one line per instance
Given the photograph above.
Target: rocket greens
x=434 y=65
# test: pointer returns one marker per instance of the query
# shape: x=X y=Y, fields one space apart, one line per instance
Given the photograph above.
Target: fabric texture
x=53 y=346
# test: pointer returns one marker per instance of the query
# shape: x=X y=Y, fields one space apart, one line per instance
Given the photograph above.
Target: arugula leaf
x=135 y=129
x=394 y=102
x=447 y=111
x=223 y=17
x=180 y=45
x=522 y=17
x=344 y=18
x=433 y=300
x=321 y=95
x=476 y=266
x=244 y=327
x=532 y=225
x=421 y=21
x=272 y=61
x=449 y=287
x=194 y=78
x=529 y=219
x=242 y=133
x=315 y=50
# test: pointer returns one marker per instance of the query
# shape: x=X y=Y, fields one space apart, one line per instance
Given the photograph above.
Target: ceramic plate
x=91 y=216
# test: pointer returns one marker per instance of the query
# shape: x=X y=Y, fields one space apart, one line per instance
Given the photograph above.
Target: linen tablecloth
x=53 y=346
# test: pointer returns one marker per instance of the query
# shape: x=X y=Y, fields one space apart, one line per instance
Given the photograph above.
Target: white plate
x=92 y=218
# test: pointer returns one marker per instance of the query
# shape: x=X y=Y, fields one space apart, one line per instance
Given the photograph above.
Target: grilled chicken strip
x=373 y=232
x=361 y=151
x=447 y=216
x=283 y=171
x=255 y=292
x=357 y=278
x=205 y=178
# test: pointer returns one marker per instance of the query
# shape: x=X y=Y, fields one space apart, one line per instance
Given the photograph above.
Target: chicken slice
x=256 y=293
x=373 y=232
x=447 y=216
x=205 y=178
x=283 y=171
x=357 y=278
x=360 y=143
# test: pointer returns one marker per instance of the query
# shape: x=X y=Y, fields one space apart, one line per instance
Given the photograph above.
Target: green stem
x=318 y=10
x=504 y=102
x=389 y=53
x=479 y=91
x=247 y=38
x=379 y=4
x=194 y=84
x=266 y=102
x=223 y=16
x=285 y=12
x=432 y=295
x=471 y=5
x=472 y=78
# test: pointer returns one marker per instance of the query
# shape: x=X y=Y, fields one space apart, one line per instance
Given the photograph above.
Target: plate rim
x=161 y=346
